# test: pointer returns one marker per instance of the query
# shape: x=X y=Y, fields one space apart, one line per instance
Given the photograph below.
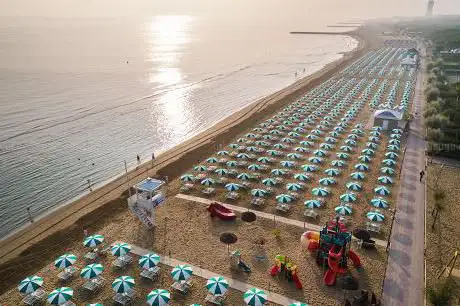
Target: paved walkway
x=235 y=284
x=404 y=279
x=265 y=215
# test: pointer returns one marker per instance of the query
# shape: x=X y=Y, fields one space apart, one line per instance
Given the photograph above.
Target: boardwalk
x=404 y=279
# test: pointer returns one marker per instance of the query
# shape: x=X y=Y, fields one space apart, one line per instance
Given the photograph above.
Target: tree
x=439 y=204
x=432 y=93
x=441 y=293
x=437 y=121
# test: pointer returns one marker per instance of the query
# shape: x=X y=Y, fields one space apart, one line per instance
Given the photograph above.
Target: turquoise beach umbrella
x=321 y=192
x=350 y=142
x=222 y=153
x=312 y=203
x=369 y=152
x=269 y=182
x=60 y=296
x=389 y=162
x=278 y=172
x=393 y=148
x=315 y=160
x=334 y=134
x=288 y=140
x=275 y=132
x=301 y=149
x=385 y=180
x=234 y=145
x=373 y=139
x=326 y=146
x=293 y=134
x=252 y=149
x=293 y=187
x=375 y=133
x=123 y=284
x=120 y=249
x=217 y=285
x=312 y=137
x=243 y=176
x=231 y=164
x=30 y=284
x=294 y=156
x=346 y=148
x=264 y=160
x=65 y=261
x=371 y=145
x=207 y=182
x=357 y=175
x=255 y=297
x=250 y=135
x=375 y=216
x=287 y=163
x=394 y=142
x=391 y=155
x=361 y=167
x=262 y=143
x=298 y=304
x=355 y=186
x=200 y=168
x=299 y=129
x=158 y=297
x=387 y=170
x=352 y=136
x=337 y=163
x=326 y=181
x=331 y=139
x=306 y=143
x=183 y=178
x=302 y=177
x=93 y=241
x=182 y=272
x=332 y=171
x=242 y=156
x=342 y=155
x=254 y=167
x=396 y=136
x=379 y=203
x=381 y=190
x=284 y=198
x=260 y=193
x=364 y=158
x=149 y=260
x=211 y=160
x=348 y=197
x=232 y=187
x=221 y=171
x=267 y=137
x=91 y=271
x=273 y=153
x=343 y=210
x=396 y=131
x=319 y=153
x=309 y=168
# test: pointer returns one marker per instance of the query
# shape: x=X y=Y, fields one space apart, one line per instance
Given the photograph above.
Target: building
x=429 y=8
x=388 y=119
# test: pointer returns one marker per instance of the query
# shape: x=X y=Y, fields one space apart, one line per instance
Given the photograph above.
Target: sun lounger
x=94 y=285
x=67 y=274
x=215 y=299
x=151 y=274
x=222 y=181
x=246 y=185
x=182 y=287
x=311 y=213
x=283 y=207
x=122 y=262
x=258 y=202
x=242 y=163
x=279 y=180
x=222 y=161
x=201 y=176
x=373 y=227
x=211 y=168
x=91 y=257
x=255 y=176
x=242 y=148
x=368 y=244
x=209 y=191
x=35 y=298
x=269 y=190
x=124 y=298
x=233 y=195
x=294 y=195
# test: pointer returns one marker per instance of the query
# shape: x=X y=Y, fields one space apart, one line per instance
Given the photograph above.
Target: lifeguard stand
x=149 y=194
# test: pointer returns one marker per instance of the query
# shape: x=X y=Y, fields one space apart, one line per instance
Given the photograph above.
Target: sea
x=86 y=86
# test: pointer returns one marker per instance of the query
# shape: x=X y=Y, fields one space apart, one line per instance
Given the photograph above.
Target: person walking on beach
x=422 y=174
x=30 y=215
x=138 y=159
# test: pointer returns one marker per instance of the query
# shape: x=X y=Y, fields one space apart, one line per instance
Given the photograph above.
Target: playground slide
x=329 y=277
x=221 y=212
x=354 y=259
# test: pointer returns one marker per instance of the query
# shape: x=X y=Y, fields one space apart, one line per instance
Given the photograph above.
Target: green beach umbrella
x=185 y=178
x=397 y=131
x=93 y=241
x=389 y=162
x=279 y=146
x=221 y=171
x=346 y=148
x=326 y=146
x=211 y=160
x=262 y=143
x=234 y=145
x=393 y=148
x=332 y=171
x=361 y=167
x=231 y=164
x=312 y=203
x=355 y=186
x=320 y=192
x=95 y=304
x=379 y=203
x=357 y=131
x=369 y=152
x=357 y=175
x=217 y=285
x=195 y=304
x=250 y=135
x=298 y=304
x=385 y=180
x=287 y=163
x=306 y=143
x=222 y=153
x=387 y=170
x=269 y=182
x=284 y=198
x=120 y=249
x=391 y=155
x=373 y=139
x=302 y=177
x=375 y=216
x=60 y=296
x=312 y=137
x=278 y=172
x=264 y=160
x=149 y=260
x=243 y=176
x=309 y=168
x=294 y=156
x=242 y=156
x=364 y=158
x=91 y=271
x=254 y=167
x=343 y=210
x=267 y=137
x=319 y=153
x=200 y=168
x=301 y=149
x=331 y=139
x=293 y=134
x=337 y=163
x=293 y=187
x=395 y=136
x=371 y=145
x=30 y=284
x=207 y=182
x=182 y=272
x=350 y=142
x=315 y=160
x=326 y=181
x=232 y=187
x=65 y=261
x=252 y=149
x=352 y=136
x=288 y=140
x=260 y=193
x=342 y=155
x=382 y=190
x=275 y=132
x=158 y=297
x=394 y=142
x=359 y=125
x=348 y=197
x=334 y=134
x=273 y=152
x=255 y=297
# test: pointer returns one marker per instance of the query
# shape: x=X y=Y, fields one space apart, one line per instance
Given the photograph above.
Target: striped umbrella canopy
x=287 y=163
x=120 y=249
x=65 y=261
x=252 y=149
x=379 y=203
x=258 y=193
x=293 y=134
x=395 y=142
x=364 y=158
x=298 y=304
x=332 y=171
x=149 y=260
x=257 y=129
x=350 y=142
x=373 y=139
x=250 y=135
x=352 y=136
x=288 y=140
x=234 y=145
x=385 y=180
x=371 y=145
x=243 y=176
x=182 y=272
x=391 y=155
x=359 y=125
x=317 y=132
x=195 y=304
x=387 y=170
x=242 y=156
x=284 y=198
x=299 y=129
x=368 y=152
x=330 y=139
x=93 y=240
x=309 y=168
x=396 y=131
x=221 y=171
x=357 y=131
x=306 y=143
x=375 y=216
x=293 y=187
x=294 y=156
x=315 y=160
x=282 y=127
x=321 y=192
x=389 y=162
x=30 y=284
x=338 y=129
x=395 y=136
x=327 y=181
x=262 y=143
x=273 y=152
x=91 y=271
x=393 y=148
x=301 y=149
x=343 y=210
x=326 y=146
x=334 y=134
x=231 y=164
x=187 y=178
x=217 y=285
x=267 y=137
x=312 y=203
x=361 y=167
x=264 y=160
x=254 y=167
x=255 y=297
x=319 y=153
x=357 y=175
x=312 y=137
x=348 y=197
x=346 y=148
x=200 y=168
x=223 y=153
x=375 y=133
x=94 y=304
x=278 y=172
x=60 y=295
x=275 y=132
x=342 y=155
x=211 y=160
x=355 y=186
x=302 y=177
x=269 y=182
x=382 y=190
x=232 y=187
x=337 y=163
x=207 y=182
x=158 y=297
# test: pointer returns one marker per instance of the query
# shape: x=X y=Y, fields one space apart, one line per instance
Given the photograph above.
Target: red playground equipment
x=284 y=267
x=221 y=212
x=332 y=249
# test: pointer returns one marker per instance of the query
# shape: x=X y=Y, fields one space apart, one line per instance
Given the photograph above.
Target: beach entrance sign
x=149 y=194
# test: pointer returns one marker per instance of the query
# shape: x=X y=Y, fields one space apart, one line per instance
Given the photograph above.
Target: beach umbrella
x=317 y=132
x=385 y=180
x=364 y=158
x=149 y=260
x=301 y=149
x=254 y=167
x=217 y=285
x=258 y=130
x=282 y=127
x=294 y=156
x=357 y=131
x=298 y=304
x=248 y=216
x=391 y=155
x=375 y=216
x=287 y=140
x=267 y=137
x=315 y=160
x=312 y=203
x=309 y=168
x=357 y=175
x=123 y=284
x=262 y=143
x=284 y=198
x=352 y=136
x=338 y=129
x=371 y=145
x=312 y=137
x=369 y=152
x=183 y=178
x=359 y=125
x=94 y=304
x=273 y=152
x=327 y=181
x=120 y=249
x=94 y=240
x=278 y=172
x=211 y=160
x=321 y=192
x=330 y=139
x=275 y=132
x=234 y=146
x=377 y=128
x=232 y=187
x=65 y=261
x=242 y=156
x=373 y=139
x=337 y=163
x=393 y=148
x=350 y=142
x=342 y=155
x=361 y=167
x=326 y=146
x=91 y=271
x=207 y=182
x=332 y=171
x=346 y=148
x=395 y=136
x=379 y=203
x=375 y=133
x=293 y=134
x=301 y=177
x=181 y=272
x=299 y=129
x=250 y=135
x=252 y=149
x=348 y=197
x=255 y=297
x=396 y=131
x=320 y=153
x=258 y=193
x=355 y=186
x=228 y=238
x=389 y=162
x=343 y=210
x=221 y=171
x=306 y=143
x=231 y=164
x=287 y=163
x=293 y=187
x=158 y=297
x=30 y=284
x=269 y=182
x=387 y=170
x=200 y=168
x=222 y=153
x=60 y=296
x=394 y=142
x=243 y=176
x=334 y=134
x=382 y=190
x=264 y=160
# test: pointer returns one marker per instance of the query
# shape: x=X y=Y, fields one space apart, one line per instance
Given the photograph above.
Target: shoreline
x=175 y=160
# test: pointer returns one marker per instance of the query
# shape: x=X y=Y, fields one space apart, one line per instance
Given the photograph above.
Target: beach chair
x=366 y=244
x=91 y=257
x=233 y=196
x=94 y=285
x=258 y=202
x=182 y=287
x=209 y=191
x=311 y=213
x=35 y=298
x=151 y=274
x=294 y=195
x=215 y=299
x=222 y=161
x=122 y=262
x=67 y=274
x=283 y=207
x=373 y=227
x=246 y=185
